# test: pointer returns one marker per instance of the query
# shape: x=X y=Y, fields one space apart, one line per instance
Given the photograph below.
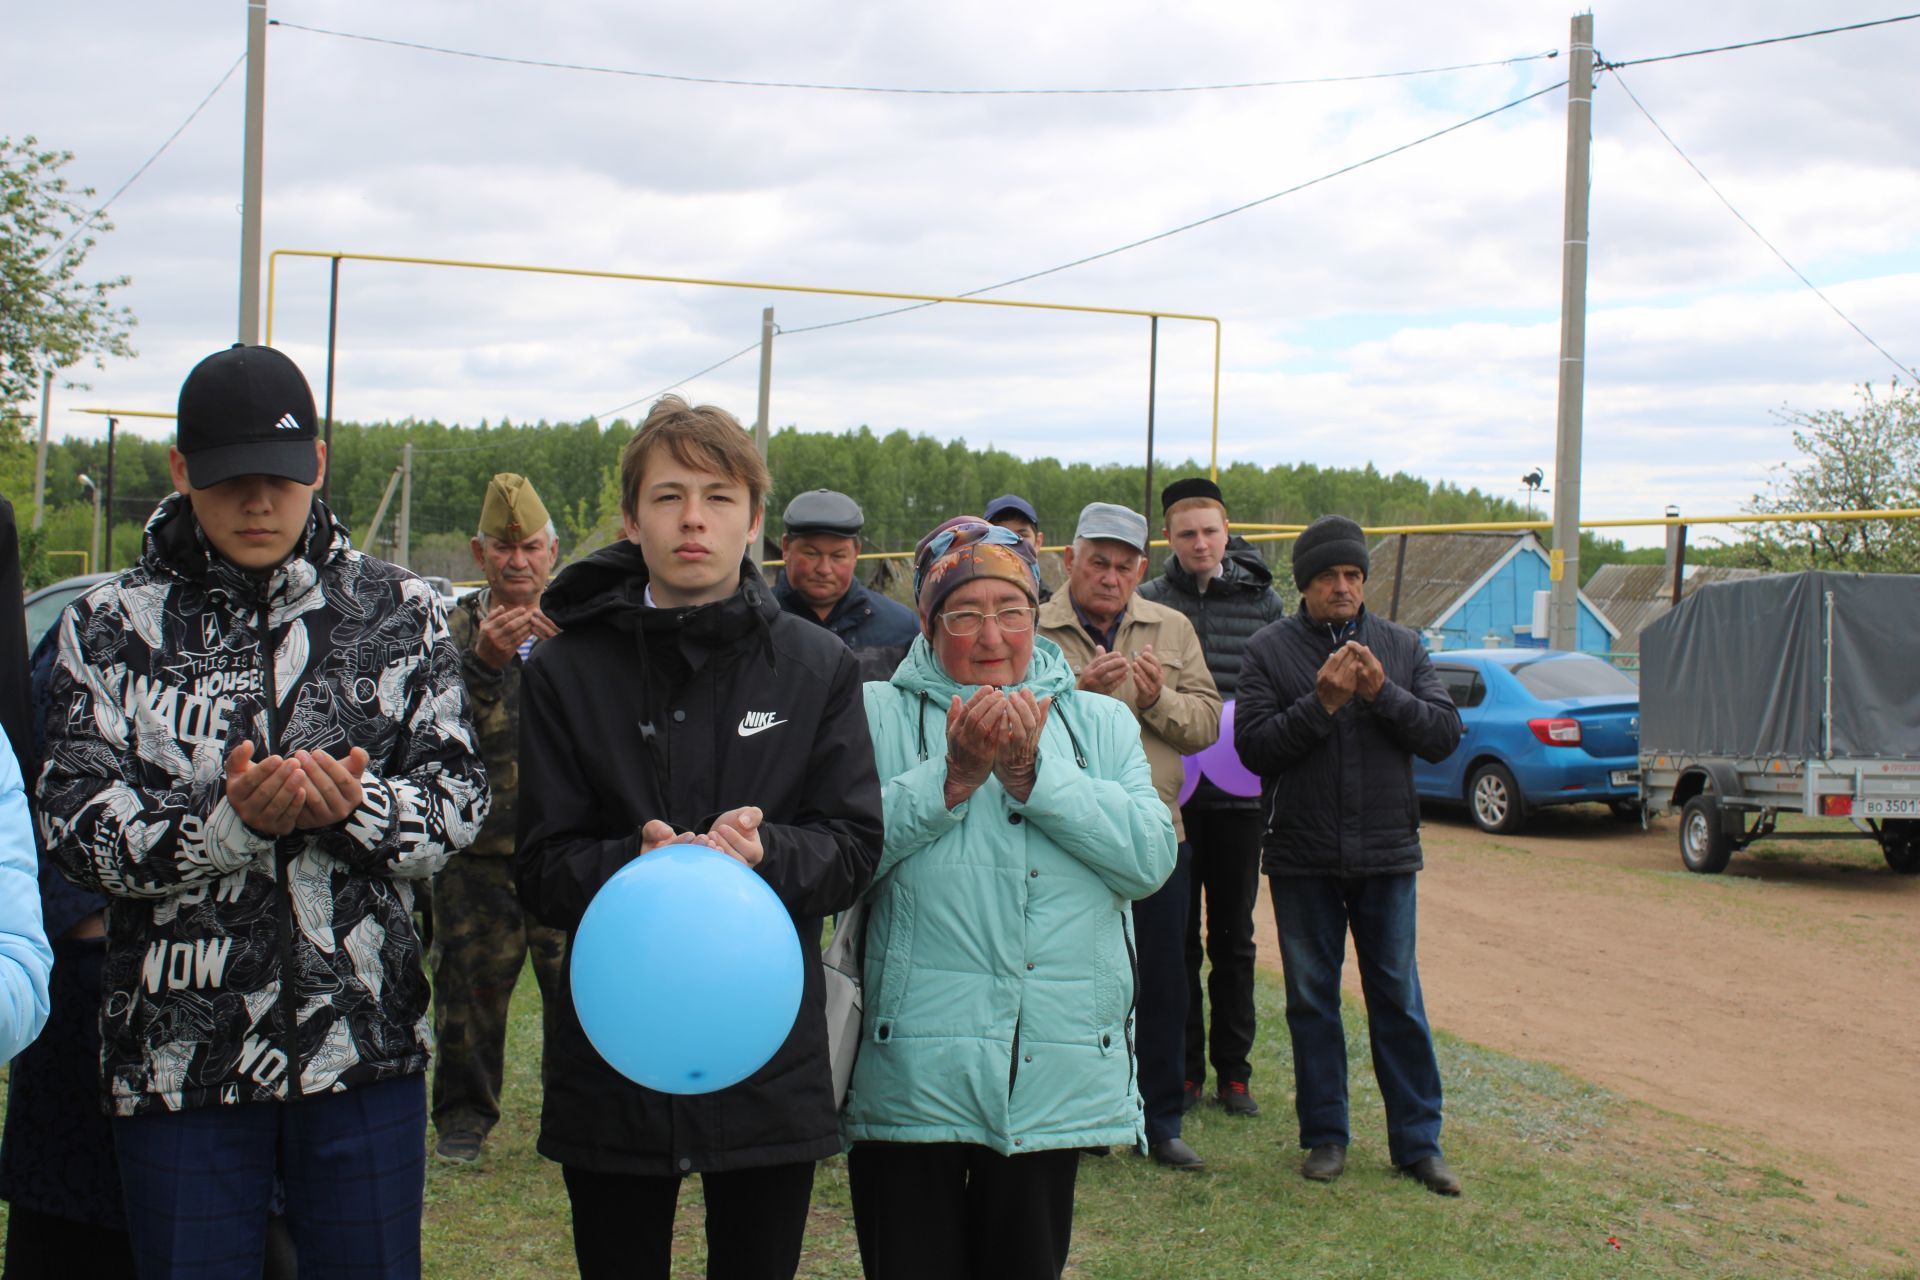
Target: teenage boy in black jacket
x=1226 y=590
x=679 y=702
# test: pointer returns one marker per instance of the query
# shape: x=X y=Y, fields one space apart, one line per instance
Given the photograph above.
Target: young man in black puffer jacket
x=1226 y=590
x=1334 y=704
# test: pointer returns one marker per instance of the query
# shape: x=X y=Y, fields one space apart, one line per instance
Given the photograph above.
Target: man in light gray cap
x=820 y=543
x=1148 y=656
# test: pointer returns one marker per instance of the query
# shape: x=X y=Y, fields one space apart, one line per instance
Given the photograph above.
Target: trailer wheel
x=1494 y=797
x=1900 y=842
x=1704 y=847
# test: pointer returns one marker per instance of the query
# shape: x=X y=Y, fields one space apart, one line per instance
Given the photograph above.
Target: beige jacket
x=1185 y=718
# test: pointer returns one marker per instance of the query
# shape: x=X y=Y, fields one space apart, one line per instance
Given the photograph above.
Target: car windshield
x=1576 y=677
x=44 y=612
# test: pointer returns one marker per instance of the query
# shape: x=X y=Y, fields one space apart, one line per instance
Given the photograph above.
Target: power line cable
x=1698 y=172
x=1197 y=222
x=550 y=65
x=1105 y=253
x=1604 y=65
x=122 y=189
x=682 y=381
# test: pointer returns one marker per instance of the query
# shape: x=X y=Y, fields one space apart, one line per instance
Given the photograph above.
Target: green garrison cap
x=512 y=510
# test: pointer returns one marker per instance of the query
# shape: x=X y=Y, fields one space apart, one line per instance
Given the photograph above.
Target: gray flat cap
x=823 y=511
x=1110 y=520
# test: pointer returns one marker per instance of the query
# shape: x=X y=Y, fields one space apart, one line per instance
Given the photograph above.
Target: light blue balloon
x=686 y=971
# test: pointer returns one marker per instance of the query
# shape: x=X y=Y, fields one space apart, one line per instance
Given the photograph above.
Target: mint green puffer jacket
x=999 y=951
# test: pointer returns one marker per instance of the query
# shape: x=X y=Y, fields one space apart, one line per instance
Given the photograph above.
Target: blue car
x=1542 y=727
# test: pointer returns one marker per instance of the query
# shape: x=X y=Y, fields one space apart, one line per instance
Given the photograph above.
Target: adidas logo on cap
x=287 y=423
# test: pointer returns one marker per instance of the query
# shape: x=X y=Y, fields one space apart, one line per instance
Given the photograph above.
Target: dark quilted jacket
x=1236 y=605
x=1339 y=788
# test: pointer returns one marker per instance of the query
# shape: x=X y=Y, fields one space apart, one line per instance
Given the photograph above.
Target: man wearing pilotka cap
x=1148 y=657
x=1334 y=704
x=482 y=935
x=257 y=744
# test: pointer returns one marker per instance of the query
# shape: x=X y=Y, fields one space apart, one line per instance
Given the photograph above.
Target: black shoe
x=1234 y=1097
x=1189 y=1096
x=1324 y=1163
x=1434 y=1174
x=462 y=1146
x=1176 y=1154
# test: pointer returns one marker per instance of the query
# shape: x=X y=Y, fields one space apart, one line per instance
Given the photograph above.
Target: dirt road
x=1776 y=1000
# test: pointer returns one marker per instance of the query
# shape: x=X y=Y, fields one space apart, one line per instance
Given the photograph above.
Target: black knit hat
x=1328 y=541
x=1191 y=487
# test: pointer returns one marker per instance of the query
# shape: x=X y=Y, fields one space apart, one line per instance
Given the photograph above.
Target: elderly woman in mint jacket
x=1021 y=821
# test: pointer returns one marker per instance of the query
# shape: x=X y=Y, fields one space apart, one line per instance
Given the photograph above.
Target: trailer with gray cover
x=1790 y=693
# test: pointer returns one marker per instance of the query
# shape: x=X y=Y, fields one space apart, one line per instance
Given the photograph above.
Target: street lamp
x=87 y=485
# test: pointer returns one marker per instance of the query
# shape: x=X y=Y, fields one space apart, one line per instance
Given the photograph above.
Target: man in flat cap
x=481 y=934
x=1011 y=511
x=820 y=543
x=1225 y=589
x=1147 y=656
x=1334 y=703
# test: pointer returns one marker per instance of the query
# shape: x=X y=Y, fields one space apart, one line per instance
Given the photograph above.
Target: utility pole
x=254 y=157
x=405 y=536
x=762 y=429
x=40 y=459
x=105 y=561
x=1564 y=600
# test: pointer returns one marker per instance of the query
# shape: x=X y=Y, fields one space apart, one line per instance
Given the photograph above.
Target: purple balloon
x=1191 y=781
x=1222 y=764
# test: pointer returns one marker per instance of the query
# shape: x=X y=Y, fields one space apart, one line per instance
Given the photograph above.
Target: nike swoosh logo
x=759 y=728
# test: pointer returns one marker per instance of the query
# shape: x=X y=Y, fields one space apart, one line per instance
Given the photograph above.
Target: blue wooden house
x=1473 y=591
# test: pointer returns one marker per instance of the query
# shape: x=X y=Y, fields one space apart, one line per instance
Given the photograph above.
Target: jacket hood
x=174 y=546
x=610 y=586
x=920 y=672
x=1242 y=569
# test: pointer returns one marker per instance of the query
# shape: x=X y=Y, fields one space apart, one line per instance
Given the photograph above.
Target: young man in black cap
x=820 y=543
x=1334 y=702
x=1226 y=591
x=257 y=744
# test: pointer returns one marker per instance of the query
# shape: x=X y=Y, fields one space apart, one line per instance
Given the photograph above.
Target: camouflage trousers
x=481 y=939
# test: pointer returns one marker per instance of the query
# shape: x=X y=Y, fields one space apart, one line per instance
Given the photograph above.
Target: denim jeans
x=1313 y=914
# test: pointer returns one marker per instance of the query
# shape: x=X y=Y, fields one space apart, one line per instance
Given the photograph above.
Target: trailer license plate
x=1624 y=778
x=1892 y=808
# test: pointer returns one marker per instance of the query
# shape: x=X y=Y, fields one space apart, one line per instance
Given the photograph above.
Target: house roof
x=1633 y=595
x=1441 y=568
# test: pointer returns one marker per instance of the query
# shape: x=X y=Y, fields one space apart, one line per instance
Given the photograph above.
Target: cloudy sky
x=1405 y=314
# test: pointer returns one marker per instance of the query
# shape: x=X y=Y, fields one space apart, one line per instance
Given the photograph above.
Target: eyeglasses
x=965 y=622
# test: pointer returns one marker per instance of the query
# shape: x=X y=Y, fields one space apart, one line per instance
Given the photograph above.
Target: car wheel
x=1704 y=847
x=1494 y=798
x=1900 y=842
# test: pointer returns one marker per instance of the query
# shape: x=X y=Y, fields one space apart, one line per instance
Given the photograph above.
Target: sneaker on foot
x=1324 y=1163
x=461 y=1146
x=1434 y=1174
x=1234 y=1097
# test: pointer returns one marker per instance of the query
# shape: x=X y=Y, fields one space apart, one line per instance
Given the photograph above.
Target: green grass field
x=1562 y=1180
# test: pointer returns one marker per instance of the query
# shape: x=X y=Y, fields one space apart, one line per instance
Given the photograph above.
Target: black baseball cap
x=247 y=411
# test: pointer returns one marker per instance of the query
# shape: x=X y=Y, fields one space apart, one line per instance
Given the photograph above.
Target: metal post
x=1399 y=576
x=253 y=158
x=1153 y=375
x=1564 y=602
x=404 y=537
x=40 y=459
x=380 y=512
x=1679 y=561
x=105 y=561
x=333 y=331
x=762 y=428
x=87 y=482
